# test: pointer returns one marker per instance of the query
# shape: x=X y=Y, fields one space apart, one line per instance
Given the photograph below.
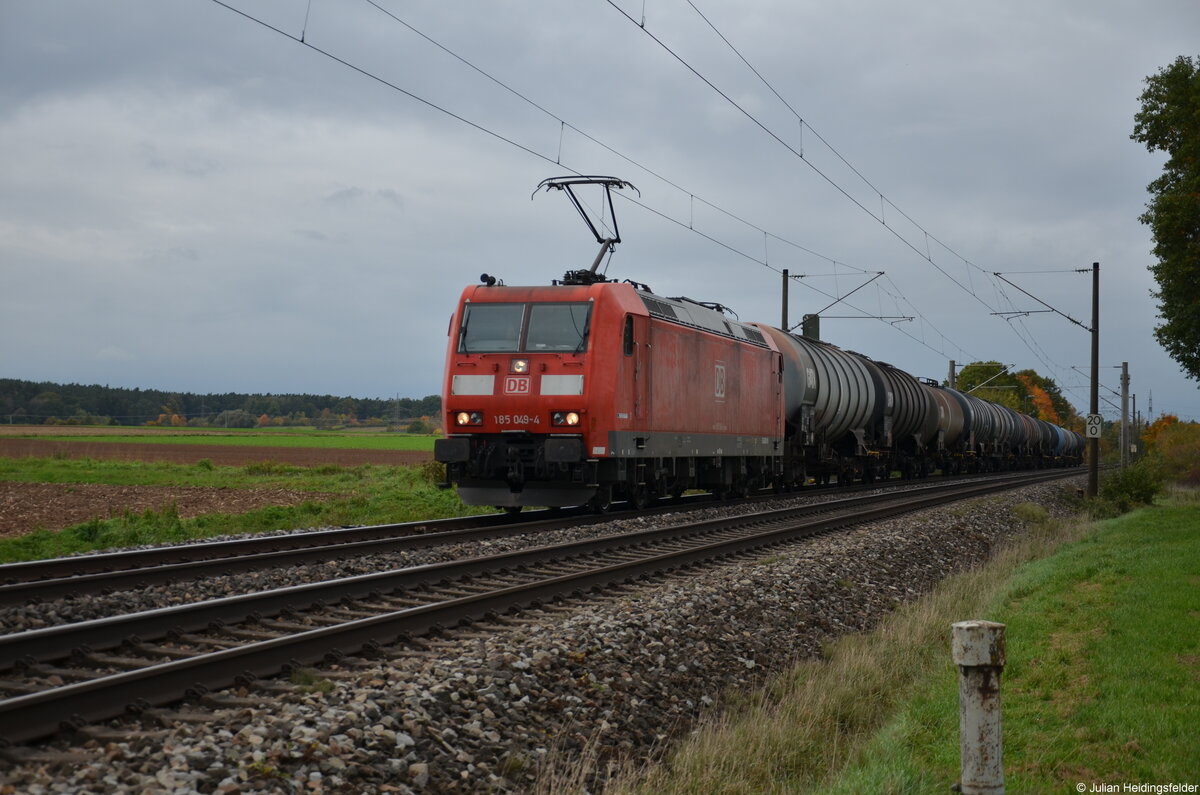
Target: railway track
x=82 y=575
x=69 y=675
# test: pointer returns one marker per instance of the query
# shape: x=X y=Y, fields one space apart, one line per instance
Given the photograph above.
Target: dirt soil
x=28 y=506
x=52 y=506
x=221 y=455
x=106 y=430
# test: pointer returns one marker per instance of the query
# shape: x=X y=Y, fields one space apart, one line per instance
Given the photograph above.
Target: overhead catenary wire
x=557 y=160
x=884 y=201
x=563 y=124
x=808 y=162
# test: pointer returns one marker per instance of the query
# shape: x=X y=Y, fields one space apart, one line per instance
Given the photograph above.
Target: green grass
x=1103 y=676
x=1102 y=683
x=325 y=440
x=360 y=495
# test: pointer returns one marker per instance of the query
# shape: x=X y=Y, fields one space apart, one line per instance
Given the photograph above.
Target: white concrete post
x=978 y=651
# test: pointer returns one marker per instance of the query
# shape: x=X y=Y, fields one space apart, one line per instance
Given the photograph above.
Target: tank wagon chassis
x=591 y=390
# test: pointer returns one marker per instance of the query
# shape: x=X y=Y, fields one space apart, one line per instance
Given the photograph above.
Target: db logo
x=720 y=381
x=517 y=385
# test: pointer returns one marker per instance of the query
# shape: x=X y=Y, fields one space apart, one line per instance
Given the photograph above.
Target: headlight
x=468 y=418
x=564 y=418
x=519 y=366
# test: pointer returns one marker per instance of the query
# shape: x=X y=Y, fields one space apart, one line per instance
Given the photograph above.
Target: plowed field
x=53 y=506
x=28 y=506
x=221 y=455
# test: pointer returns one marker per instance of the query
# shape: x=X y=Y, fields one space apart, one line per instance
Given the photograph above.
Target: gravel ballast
x=620 y=675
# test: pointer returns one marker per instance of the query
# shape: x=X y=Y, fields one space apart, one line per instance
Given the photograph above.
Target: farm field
x=95 y=488
x=232 y=447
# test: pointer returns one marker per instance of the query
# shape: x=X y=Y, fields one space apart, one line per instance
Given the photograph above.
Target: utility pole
x=1093 y=483
x=783 y=324
x=1124 y=414
x=1094 y=421
x=1135 y=443
x=952 y=379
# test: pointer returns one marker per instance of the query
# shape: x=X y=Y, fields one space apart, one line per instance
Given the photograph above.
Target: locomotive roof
x=689 y=313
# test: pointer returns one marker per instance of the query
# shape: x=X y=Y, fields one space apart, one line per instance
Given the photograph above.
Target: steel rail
x=59 y=641
x=29 y=717
x=81 y=575
x=107 y=562
x=92 y=573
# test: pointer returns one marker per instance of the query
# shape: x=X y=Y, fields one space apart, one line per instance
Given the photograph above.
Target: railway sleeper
x=193 y=639
x=249 y=633
x=75 y=674
x=26 y=755
x=109 y=661
x=326 y=621
x=153 y=650
x=352 y=613
x=224 y=701
x=284 y=626
x=170 y=717
x=108 y=734
x=19 y=688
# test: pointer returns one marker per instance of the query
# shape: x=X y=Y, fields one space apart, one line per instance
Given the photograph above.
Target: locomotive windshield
x=529 y=328
x=557 y=327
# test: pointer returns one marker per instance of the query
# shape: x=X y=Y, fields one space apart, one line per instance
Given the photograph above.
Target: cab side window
x=629 y=335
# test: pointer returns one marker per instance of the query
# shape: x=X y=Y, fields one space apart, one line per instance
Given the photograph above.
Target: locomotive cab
x=518 y=392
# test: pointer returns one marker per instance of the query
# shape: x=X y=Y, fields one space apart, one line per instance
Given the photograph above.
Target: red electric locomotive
x=584 y=392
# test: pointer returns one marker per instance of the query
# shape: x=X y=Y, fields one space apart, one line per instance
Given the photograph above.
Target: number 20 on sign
x=1095 y=424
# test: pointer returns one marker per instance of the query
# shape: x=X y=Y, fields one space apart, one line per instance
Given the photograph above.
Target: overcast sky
x=192 y=201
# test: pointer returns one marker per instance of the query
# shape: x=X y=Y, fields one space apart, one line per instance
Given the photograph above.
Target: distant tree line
x=26 y=402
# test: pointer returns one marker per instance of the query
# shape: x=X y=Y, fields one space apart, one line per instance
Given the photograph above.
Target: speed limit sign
x=1095 y=424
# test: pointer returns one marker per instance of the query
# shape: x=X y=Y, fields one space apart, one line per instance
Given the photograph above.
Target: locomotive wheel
x=601 y=501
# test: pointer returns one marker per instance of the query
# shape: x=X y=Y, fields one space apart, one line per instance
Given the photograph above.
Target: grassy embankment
x=1102 y=683
x=342 y=496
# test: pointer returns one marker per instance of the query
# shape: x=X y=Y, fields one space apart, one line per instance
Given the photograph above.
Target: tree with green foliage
x=985 y=380
x=234 y=418
x=1169 y=121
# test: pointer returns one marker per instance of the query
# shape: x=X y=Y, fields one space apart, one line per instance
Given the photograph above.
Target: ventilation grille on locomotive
x=702 y=318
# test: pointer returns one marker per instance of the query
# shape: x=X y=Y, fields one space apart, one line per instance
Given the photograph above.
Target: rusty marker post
x=978 y=650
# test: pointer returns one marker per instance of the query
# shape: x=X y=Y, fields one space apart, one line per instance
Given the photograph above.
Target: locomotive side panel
x=708 y=396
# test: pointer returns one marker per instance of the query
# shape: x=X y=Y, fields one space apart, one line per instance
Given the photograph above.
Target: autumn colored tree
x=1043 y=406
x=1155 y=429
x=1177 y=446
